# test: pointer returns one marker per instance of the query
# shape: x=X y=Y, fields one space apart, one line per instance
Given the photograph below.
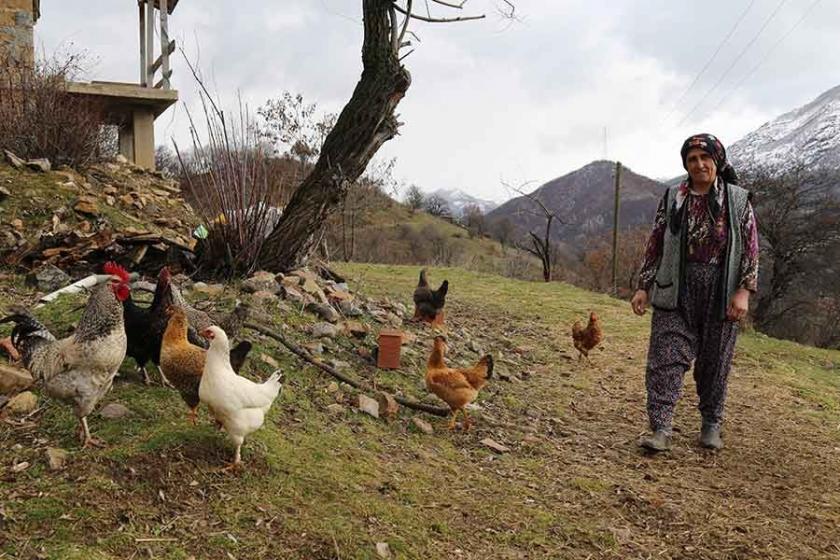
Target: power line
x=769 y=52
x=711 y=59
x=734 y=62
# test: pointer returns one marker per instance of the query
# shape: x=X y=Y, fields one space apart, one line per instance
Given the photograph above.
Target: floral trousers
x=692 y=332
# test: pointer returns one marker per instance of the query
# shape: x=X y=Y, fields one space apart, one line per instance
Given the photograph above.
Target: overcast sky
x=493 y=101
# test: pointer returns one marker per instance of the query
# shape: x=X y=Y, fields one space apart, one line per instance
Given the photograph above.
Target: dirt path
x=773 y=492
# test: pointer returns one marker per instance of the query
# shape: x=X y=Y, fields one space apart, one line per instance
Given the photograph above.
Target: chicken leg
x=85 y=437
x=454 y=416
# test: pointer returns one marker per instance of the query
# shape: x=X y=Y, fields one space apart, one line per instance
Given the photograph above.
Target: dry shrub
x=40 y=119
x=228 y=175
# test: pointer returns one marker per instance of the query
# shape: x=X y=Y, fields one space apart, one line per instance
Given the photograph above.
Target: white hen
x=237 y=403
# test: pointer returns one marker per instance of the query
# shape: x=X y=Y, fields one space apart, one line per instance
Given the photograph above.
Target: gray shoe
x=710 y=437
x=660 y=440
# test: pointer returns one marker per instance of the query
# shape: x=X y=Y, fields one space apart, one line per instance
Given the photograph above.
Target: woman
x=700 y=267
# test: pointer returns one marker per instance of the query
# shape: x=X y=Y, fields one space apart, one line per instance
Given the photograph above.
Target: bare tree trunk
x=365 y=123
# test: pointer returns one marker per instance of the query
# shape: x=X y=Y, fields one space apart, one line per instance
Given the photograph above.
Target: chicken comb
x=114 y=269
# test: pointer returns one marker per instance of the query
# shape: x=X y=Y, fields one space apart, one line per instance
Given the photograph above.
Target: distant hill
x=458 y=200
x=584 y=200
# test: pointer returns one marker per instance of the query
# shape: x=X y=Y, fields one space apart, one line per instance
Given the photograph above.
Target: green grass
x=323 y=486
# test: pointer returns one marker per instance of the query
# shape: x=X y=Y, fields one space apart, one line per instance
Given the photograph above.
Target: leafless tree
x=365 y=123
x=502 y=231
x=473 y=219
x=436 y=205
x=414 y=198
x=538 y=243
x=798 y=215
x=295 y=127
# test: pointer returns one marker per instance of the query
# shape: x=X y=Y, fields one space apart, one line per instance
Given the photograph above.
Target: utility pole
x=615 y=227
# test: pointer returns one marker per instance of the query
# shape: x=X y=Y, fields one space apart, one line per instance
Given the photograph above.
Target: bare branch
x=437 y=20
x=405 y=25
x=451 y=5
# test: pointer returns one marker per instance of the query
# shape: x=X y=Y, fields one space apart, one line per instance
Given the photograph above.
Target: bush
x=40 y=119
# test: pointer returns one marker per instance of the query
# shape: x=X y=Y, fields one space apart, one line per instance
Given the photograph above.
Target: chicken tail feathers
x=238 y=354
x=423 y=282
x=27 y=328
x=444 y=287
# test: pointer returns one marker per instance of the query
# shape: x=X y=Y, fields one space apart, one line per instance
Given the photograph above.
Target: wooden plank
x=150 y=41
x=140 y=5
x=164 y=42
x=160 y=60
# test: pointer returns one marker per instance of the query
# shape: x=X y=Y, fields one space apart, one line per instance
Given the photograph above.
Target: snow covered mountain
x=458 y=200
x=810 y=134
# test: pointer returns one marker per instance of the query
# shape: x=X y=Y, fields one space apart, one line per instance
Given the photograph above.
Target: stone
x=41 y=165
x=383 y=550
x=388 y=406
x=290 y=281
x=48 y=278
x=121 y=159
x=114 y=411
x=312 y=288
x=335 y=409
x=356 y=329
x=14 y=379
x=263 y=297
x=23 y=403
x=324 y=330
x=349 y=309
x=260 y=281
x=13 y=160
x=87 y=205
x=208 y=289
x=368 y=405
x=338 y=295
x=266 y=359
x=304 y=275
x=494 y=446
x=422 y=425
x=293 y=295
x=323 y=310
x=339 y=364
x=56 y=458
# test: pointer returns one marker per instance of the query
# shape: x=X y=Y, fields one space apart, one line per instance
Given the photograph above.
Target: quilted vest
x=671 y=269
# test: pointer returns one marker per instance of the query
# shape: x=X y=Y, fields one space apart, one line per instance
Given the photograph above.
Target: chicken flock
x=193 y=355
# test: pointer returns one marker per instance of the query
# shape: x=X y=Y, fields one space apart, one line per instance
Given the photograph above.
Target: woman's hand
x=639 y=302
x=739 y=305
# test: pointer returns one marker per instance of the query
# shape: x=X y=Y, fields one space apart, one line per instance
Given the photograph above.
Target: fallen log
x=304 y=355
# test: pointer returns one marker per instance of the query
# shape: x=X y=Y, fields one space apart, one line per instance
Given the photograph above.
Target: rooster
x=237 y=403
x=145 y=326
x=585 y=339
x=80 y=368
x=181 y=362
x=428 y=303
x=456 y=386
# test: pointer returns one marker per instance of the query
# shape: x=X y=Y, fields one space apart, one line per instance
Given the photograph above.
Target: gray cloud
x=489 y=100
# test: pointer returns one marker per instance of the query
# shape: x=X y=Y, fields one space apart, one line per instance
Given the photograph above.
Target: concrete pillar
x=126 y=131
x=137 y=138
x=17 y=42
x=144 y=138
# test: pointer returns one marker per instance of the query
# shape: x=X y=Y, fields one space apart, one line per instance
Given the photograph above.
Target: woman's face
x=701 y=167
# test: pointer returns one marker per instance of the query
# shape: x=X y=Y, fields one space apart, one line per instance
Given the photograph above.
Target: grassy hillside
x=331 y=485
